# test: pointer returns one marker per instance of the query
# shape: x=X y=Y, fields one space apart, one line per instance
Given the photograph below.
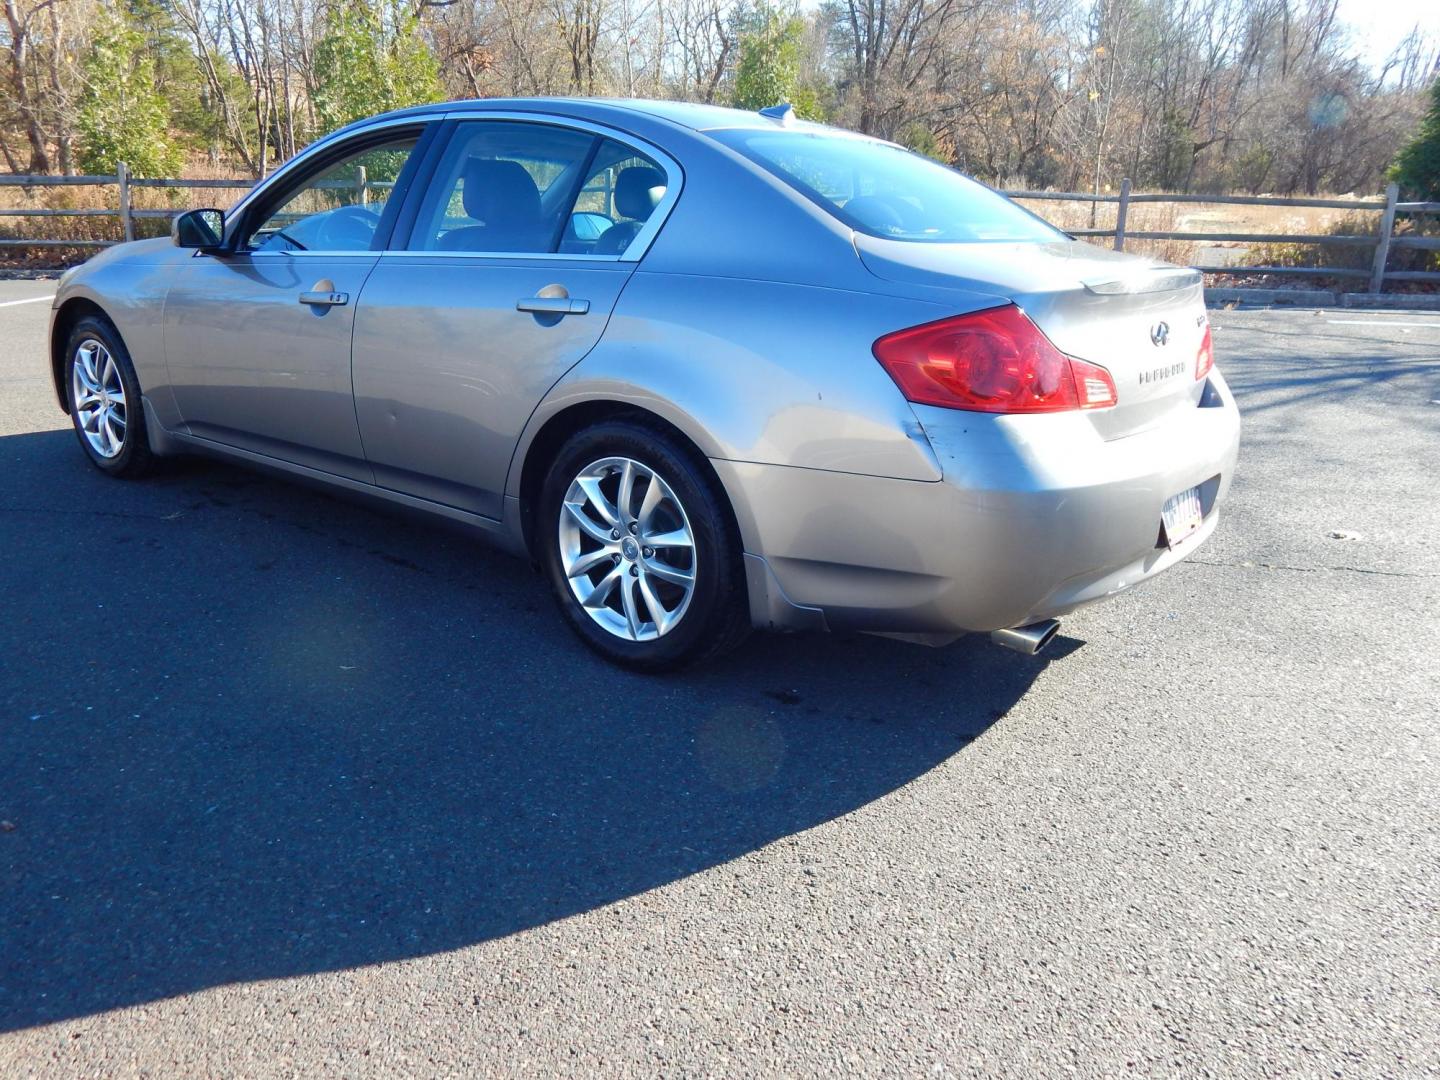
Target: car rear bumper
x=1035 y=516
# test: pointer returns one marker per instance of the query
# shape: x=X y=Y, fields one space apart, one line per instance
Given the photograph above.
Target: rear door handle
x=324 y=299
x=552 y=305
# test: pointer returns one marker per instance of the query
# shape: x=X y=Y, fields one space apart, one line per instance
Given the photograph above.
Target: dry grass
x=103 y=197
x=1143 y=217
x=1349 y=256
x=1201 y=217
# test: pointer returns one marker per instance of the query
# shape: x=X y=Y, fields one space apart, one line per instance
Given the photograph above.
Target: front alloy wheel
x=99 y=397
x=104 y=400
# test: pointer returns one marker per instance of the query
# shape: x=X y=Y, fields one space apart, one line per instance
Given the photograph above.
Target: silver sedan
x=710 y=370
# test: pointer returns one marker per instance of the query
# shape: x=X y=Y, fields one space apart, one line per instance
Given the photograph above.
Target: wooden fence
x=1383 y=241
x=128 y=214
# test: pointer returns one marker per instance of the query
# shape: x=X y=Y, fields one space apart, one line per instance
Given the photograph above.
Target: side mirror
x=587 y=228
x=200 y=229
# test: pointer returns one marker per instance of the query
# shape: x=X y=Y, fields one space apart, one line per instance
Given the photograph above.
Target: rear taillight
x=1205 y=358
x=991 y=361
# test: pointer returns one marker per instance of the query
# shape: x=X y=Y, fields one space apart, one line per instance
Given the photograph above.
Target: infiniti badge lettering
x=1156 y=374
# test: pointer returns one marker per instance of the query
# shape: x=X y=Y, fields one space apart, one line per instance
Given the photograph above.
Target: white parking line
x=1378 y=322
x=27 y=300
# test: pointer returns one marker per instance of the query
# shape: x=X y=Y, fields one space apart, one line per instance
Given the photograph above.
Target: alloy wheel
x=627 y=549
x=99 y=398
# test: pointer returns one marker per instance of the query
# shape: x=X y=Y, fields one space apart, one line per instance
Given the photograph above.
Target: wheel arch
x=61 y=324
x=539 y=448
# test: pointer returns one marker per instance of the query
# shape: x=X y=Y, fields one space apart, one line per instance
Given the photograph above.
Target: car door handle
x=324 y=299
x=552 y=305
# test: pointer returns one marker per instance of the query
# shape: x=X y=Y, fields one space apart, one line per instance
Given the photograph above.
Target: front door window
x=340 y=209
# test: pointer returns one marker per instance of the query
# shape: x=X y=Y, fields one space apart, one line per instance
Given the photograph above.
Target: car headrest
x=638 y=190
x=499 y=192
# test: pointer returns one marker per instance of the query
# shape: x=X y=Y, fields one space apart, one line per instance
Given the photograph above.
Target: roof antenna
x=783 y=113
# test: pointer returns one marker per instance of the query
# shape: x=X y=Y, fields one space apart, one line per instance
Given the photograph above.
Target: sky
x=1380 y=25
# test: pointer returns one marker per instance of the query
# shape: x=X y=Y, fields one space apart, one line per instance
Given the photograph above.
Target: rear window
x=888 y=192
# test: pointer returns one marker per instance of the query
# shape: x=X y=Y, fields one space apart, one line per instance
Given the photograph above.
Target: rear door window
x=503 y=187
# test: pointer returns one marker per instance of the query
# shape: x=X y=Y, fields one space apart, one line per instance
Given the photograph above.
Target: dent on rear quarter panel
x=759 y=371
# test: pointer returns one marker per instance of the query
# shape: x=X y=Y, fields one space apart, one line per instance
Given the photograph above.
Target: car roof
x=683 y=114
x=691 y=114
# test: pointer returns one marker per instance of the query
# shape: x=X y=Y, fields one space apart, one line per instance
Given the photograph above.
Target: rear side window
x=888 y=192
x=623 y=188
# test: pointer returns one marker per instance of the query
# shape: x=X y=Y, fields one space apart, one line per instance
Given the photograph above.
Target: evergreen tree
x=370 y=60
x=195 y=122
x=123 y=116
x=769 y=69
x=1417 y=167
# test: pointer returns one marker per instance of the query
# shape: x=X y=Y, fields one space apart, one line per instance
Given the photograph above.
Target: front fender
x=127 y=284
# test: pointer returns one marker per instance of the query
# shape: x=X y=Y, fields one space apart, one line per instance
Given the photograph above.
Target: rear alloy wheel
x=105 y=400
x=639 y=549
x=627 y=549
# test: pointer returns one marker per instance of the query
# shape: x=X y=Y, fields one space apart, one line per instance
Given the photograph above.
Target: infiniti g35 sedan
x=710 y=370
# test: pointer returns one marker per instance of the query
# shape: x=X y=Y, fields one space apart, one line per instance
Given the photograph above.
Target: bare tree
x=1207 y=94
x=45 y=42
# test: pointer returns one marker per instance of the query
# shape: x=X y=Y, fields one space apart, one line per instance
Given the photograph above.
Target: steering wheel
x=349 y=228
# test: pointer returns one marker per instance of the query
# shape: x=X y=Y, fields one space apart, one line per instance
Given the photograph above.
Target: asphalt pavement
x=290 y=786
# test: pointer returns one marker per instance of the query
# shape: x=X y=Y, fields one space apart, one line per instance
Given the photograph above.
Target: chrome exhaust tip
x=1027 y=639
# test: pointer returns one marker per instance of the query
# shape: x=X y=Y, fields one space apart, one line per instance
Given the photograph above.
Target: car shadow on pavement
x=250 y=732
x=1281 y=380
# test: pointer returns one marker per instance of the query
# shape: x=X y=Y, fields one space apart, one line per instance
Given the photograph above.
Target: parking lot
x=292 y=786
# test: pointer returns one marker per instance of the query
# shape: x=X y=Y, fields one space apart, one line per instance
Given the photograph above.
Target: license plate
x=1181 y=516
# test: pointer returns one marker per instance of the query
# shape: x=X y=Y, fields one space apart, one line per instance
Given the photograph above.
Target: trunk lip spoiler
x=1150 y=280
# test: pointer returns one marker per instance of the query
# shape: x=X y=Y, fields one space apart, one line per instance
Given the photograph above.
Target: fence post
x=1120 y=211
x=362 y=184
x=122 y=180
x=1382 y=246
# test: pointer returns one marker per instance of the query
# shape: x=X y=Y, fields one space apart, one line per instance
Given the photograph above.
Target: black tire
x=134 y=458
x=716 y=617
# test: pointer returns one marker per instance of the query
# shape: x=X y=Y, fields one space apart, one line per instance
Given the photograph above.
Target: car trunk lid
x=1142 y=320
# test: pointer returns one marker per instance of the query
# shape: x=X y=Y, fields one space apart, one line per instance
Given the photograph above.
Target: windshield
x=886 y=191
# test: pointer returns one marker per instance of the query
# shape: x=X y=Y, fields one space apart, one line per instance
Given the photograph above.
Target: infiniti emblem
x=1160 y=333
